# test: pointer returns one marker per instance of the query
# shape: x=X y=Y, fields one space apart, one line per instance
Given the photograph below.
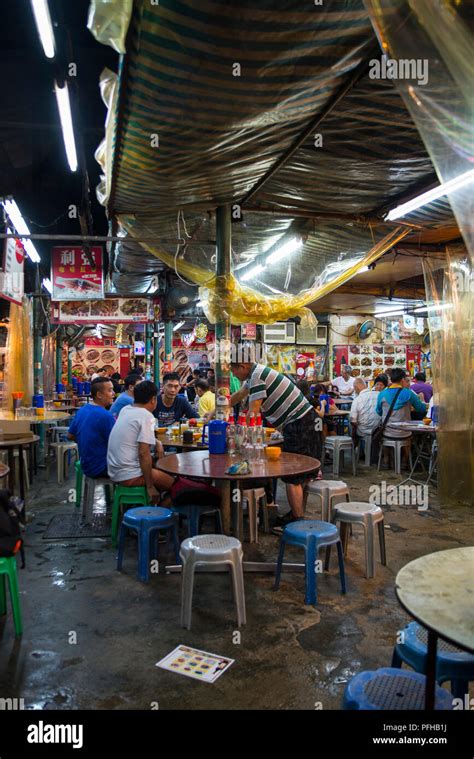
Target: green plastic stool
x=8 y=568
x=125 y=496
x=79 y=476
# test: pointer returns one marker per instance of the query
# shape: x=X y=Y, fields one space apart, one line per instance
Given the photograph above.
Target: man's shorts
x=302 y=437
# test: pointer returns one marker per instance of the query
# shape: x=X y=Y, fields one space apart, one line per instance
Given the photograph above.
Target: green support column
x=222 y=369
x=148 y=333
x=168 y=340
x=37 y=346
x=69 y=365
x=156 y=354
x=59 y=355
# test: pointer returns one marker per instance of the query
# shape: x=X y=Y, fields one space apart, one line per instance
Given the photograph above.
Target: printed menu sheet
x=201 y=665
x=371 y=360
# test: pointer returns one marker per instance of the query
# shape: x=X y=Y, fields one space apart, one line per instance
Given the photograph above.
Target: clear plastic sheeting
x=19 y=354
x=108 y=21
x=450 y=300
x=103 y=154
x=437 y=36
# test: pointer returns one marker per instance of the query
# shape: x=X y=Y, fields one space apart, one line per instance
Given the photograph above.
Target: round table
x=196 y=445
x=203 y=465
x=10 y=445
x=437 y=590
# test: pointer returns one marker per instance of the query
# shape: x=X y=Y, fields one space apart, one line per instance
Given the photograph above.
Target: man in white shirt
x=129 y=460
x=345 y=383
x=364 y=418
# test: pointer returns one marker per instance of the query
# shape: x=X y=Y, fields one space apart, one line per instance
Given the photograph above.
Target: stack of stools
x=327 y=490
x=368 y=515
x=451 y=662
x=8 y=571
x=146 y=521
x=126 y=496
x=211 y=551
x=311 y=535
x=388 y=689
x=340 y=444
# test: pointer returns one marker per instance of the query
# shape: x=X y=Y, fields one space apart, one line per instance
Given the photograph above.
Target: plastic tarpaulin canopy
x=211 y=95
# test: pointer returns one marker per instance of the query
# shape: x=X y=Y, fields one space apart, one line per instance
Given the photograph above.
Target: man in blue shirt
x=91 y=428
x=125 y=398
x=171 y=407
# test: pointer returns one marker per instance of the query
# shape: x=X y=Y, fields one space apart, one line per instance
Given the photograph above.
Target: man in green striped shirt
x=285 y=407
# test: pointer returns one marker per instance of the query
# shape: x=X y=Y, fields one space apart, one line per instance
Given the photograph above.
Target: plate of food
x=389 y=349
x=366 y=361
x=355 y=361
x=134 y=306
x=75 y=309
x=377 y=372
x=366 y=372
x=108 y=355
x=378 y=360
x=91 y=369
x=389 y=361
x=92 y=355
x=108 y=368
x=400 y=349
x=377 y=348
x=356 y=372
x=366 y=349
x=104 y=307
x=354 y=349
x=400 y=361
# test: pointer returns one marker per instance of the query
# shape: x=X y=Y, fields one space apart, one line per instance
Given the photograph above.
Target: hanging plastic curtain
x=49 y=358
x=19 y=355
x=109 y=20
x=433 y=41
x=451 y=320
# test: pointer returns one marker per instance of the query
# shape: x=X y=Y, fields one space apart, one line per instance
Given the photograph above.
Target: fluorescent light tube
x=177 y=326
x=48 y=286
x=443 y=306
x=380 y=314
x=252 y=272
x=21 y=227
x=428 y=197
x=64 y=107
x=44 y=26
x=290 y=247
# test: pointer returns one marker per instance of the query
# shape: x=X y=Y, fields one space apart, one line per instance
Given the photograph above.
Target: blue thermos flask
x=217 y=436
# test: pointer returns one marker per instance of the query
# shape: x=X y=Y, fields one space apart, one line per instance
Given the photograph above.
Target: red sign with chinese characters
x=73 y=277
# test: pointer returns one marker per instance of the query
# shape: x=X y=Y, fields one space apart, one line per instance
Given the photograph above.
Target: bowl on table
x=161 y=430
x=273 y=452
x=269 y=431
x=427 y=420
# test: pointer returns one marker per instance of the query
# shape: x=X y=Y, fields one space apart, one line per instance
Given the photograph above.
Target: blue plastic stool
x=391 y=689
x=193 y=514
x=451 y=663
x=146 y=521
x=311 y=535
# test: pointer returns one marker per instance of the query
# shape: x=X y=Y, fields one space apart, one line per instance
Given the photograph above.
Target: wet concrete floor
x=92 y=635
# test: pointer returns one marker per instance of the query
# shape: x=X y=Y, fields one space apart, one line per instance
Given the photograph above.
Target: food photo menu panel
x=368 y=361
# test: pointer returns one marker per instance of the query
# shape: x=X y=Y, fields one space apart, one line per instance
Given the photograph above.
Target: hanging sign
x=104 y=311
x=12 y=276
x=73 y=277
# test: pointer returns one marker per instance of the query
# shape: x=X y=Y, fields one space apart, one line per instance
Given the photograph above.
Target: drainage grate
x=69 y=526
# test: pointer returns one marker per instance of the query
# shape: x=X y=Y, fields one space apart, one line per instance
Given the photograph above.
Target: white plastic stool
x=207 y=550
x=253 y=498
x=90 y=484
x=368 y=515
x=327 y=490
x=62 y=452
x=397 y=446
x=338 y=444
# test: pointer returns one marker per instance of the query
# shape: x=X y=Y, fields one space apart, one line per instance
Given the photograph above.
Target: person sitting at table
x=170 y=406
x=323 y=408
x=344 y=384
x=191 y=379
x=406 y=399
x=126 y=398
x=129 y=459
x=284 y=407
x=380 y=383
x=207 y=399
x=364 y=419
x=420 y=385
x=91 y=428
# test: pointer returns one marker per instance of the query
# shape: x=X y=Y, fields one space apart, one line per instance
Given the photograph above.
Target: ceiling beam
x=356 y=75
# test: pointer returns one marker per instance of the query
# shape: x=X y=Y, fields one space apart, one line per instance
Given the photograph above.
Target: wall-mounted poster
x=73 y=277
x=369 y=360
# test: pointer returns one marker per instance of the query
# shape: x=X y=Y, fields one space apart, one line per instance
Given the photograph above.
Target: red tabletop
x=213 y=467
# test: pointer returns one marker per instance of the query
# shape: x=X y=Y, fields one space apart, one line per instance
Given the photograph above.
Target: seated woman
x=322 y=408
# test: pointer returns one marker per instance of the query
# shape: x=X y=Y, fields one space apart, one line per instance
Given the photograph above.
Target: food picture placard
x=108 y=310
x=73 y=277
x=368 y=361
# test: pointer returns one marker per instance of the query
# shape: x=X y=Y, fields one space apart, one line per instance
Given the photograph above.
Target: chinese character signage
x=12 y=277
x=73 y=277
x=108 y=310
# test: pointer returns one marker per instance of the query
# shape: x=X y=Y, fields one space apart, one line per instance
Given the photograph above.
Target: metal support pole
x=156 y=354
x=168 y=340
x=222 y=368
x=148 y=334
x=59 y=356
x=69 y=365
